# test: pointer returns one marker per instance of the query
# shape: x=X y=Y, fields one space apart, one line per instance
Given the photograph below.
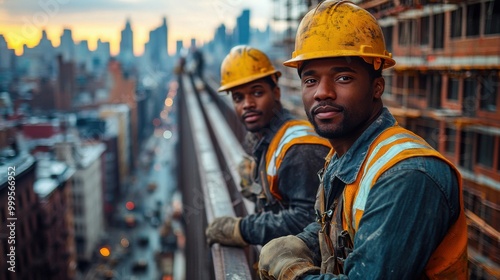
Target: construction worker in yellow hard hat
x=390 y=206
x=287 y=154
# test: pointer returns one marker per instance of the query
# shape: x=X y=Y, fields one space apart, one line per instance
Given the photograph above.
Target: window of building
x=456 y=23
x=469 y=103
x=422 y=85
x=414 y=32
x=491 y=247
x=407 y=3
x=492 y=17
x=453 y=84
x=400 y=80
x=424 y=31
x=434 y=98
x=488 y=209
x=429 y=130
x=407 y=32
x=485 y=145
x=473 y=201
x=387 y=31
x=438 y=31
x=80 y=244
x=473 y=19
x=489 y=90
x=450 y=140
x=388 y=84
x=404 y=33
x=465 y=154
x=411 y=84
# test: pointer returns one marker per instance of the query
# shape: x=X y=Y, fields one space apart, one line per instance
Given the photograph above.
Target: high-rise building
x=102 y=55
x=242 y=30
x=179 y=45
x=126 y=55
x=39 y=60
x=156 y=50
x=5 y=54
x=7 y=59
x=67 y=46
x=83 y=56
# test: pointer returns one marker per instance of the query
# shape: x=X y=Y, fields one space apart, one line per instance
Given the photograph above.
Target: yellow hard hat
x=244 y=64
x=340 y=28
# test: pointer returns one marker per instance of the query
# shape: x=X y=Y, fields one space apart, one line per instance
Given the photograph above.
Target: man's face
x=255 y=103
x=339 y=96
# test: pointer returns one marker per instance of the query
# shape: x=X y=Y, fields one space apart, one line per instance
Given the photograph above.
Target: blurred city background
x=116 y=150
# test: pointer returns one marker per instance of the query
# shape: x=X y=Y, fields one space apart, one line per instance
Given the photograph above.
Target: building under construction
x=444 y=87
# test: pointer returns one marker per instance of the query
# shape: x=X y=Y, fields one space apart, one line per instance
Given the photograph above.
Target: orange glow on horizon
x=19 y=36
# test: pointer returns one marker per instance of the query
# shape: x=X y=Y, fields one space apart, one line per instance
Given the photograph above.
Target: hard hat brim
x=249 y=79
x=296 y=61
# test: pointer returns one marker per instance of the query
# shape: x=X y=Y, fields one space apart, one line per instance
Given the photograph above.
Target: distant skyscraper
x=67 y=46
x=39 y=60
x=193 y=43
x=221 y=41
x=5 y=54
x=164 y=32
x=103 y=51
x=45 y=45
x=156 y=50
x=7 y=58
x=261 y=39
x=126 y=55
x=178 y=47
x=242 y=32
x=83 y=56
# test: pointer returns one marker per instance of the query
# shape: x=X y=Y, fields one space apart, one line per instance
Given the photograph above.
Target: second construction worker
x=288 y=154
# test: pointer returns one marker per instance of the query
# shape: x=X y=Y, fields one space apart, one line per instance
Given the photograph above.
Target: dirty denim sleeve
x=408 y=213
x=298 y=184
x=310 y=238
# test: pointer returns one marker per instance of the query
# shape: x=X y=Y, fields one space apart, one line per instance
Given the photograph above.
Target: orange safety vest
x=449 y=260
x=293 y=132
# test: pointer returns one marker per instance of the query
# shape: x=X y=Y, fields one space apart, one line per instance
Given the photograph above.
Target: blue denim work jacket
x=297 y=184
x=408 y=212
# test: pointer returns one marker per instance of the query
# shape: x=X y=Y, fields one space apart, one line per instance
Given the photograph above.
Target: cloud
x=202 y=10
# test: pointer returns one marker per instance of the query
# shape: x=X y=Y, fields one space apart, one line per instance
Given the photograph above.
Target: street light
x=104 y=251
x=130 y=205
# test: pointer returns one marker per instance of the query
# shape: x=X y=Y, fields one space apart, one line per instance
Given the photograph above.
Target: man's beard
x=326 y=133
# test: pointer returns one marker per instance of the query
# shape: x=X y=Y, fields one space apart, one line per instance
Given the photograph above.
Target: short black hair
x=272 y=81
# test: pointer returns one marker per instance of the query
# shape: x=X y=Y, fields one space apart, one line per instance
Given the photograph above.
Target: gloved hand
x=249 y=188
x=286 y=258
x=226 y=231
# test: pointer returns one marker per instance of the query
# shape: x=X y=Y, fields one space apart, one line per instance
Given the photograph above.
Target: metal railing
x=208 y=155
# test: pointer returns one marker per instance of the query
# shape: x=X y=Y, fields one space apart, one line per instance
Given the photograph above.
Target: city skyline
x=23 y=24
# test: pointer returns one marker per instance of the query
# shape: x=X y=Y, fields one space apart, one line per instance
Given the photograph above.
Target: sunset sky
x=22 y=21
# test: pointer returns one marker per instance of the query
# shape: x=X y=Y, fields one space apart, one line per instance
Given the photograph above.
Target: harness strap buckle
x=344 y=246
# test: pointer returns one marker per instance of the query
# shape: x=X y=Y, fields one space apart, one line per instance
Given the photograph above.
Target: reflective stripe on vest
x=295 y=131
x=291 y=133
x=367 y=180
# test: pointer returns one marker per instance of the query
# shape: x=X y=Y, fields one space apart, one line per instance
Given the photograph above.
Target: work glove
x=226 y=231
x=286 y=258
x=249 y=188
